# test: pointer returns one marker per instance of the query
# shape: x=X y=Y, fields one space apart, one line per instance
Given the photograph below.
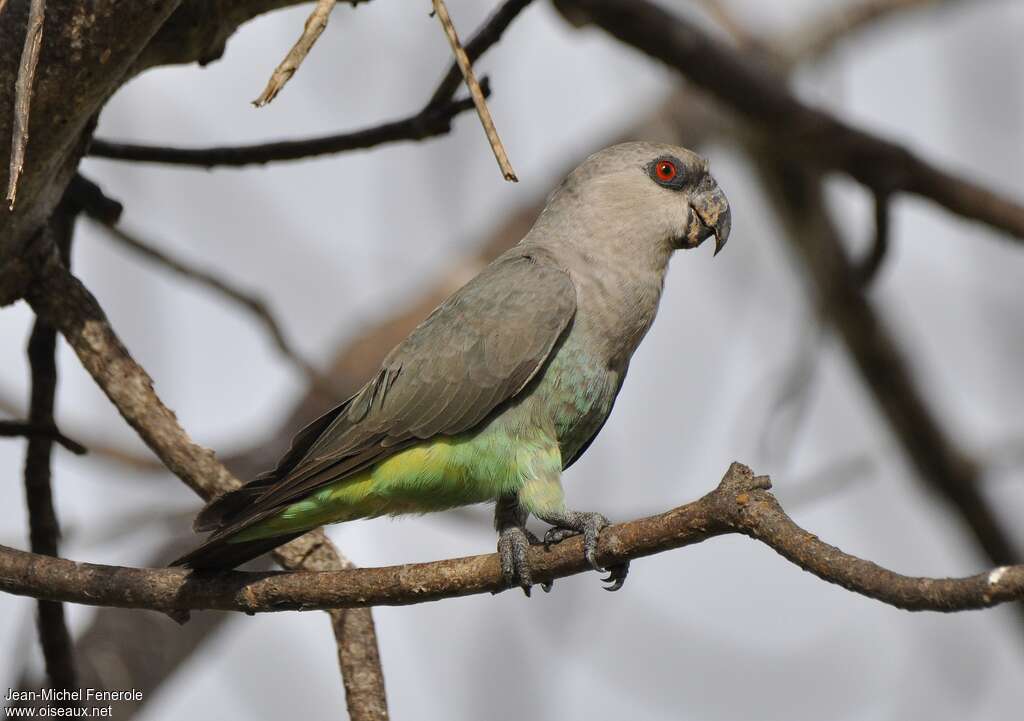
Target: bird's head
x=645 y=194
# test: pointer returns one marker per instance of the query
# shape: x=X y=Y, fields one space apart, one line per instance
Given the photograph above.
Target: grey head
x=652 y=196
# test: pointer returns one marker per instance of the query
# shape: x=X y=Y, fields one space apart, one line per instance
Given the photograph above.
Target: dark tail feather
x=223 y=509
x=220 y=555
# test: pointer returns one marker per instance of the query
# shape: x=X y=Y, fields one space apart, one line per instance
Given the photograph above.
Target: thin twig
x=44 y=528
x=11 y=429
x=741 y=504
x=433 y=119
x=419 y=126
x=867 y=270
x=315 y=24
x=474 y=90
x=23 y=95
x=252 y=303
x=483 y=39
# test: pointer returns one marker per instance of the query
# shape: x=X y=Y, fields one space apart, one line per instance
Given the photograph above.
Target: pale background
x=723 y=630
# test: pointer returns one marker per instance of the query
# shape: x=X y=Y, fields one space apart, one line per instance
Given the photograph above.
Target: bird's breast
x=576 y=393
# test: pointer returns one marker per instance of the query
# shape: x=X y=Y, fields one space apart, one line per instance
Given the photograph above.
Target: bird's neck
x=618 y=288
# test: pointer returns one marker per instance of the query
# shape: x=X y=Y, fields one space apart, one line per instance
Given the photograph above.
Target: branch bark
x=741 y=504
x=316 y=23
x=23 y=95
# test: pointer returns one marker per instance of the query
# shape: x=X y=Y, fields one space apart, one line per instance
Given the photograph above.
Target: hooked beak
x=709 y=215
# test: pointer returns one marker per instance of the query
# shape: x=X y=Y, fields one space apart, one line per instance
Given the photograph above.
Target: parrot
x=505 y=384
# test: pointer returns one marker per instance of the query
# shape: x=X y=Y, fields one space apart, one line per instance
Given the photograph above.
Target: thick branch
x=62 y=300
x=741 y=504
x=796 y=128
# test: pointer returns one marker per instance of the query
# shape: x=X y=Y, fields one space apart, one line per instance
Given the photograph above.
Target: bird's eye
x=665 y=170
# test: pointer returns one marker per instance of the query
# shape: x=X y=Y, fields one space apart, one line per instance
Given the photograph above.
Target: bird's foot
x=589 y=525
x=513 y=544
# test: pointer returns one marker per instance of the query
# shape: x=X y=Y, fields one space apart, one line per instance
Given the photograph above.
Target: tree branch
x=432 y=120
x=44 y=527
x=484 y=113
x=23 y=95
x=27 y=429
x=427 y=123
x=883 y=368
x=483 y=39
x=315 y=24
x=741 y=504
x=867 y=270
x=61 y=299
x=797 y=129
x=251 y=303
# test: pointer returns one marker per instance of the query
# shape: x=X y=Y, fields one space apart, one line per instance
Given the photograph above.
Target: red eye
x=665 y=170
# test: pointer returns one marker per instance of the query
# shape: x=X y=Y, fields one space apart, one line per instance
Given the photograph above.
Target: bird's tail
x=220 y=553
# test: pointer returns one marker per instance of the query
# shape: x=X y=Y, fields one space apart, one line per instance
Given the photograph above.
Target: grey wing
x=476 y=351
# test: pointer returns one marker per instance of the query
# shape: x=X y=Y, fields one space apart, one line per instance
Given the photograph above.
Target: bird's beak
x=710 y=215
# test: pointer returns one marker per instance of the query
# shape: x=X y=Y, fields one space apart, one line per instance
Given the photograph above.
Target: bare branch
x=23 y=95
x=881 y=362
x=315 y=24
x=488 y=34
x=797 y=129
x=441 y=10
x=434 y=119
x=11 y=429
x=44 y=527
x=251 y=303
x=61 y=299
x=741 y=504
x=427 y=123
x=867 y=270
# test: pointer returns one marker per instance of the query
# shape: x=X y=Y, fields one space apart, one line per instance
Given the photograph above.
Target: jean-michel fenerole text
x=81 y=694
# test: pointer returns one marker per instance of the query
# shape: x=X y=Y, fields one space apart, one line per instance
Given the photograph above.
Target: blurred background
x=738 y=366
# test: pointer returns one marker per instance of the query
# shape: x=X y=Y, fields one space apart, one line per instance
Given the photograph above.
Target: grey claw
x=513 y=544
x=557 y=535
x=616 y=576
x=592 y=526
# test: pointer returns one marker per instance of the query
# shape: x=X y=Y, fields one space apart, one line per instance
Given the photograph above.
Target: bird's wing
x=476 y=351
